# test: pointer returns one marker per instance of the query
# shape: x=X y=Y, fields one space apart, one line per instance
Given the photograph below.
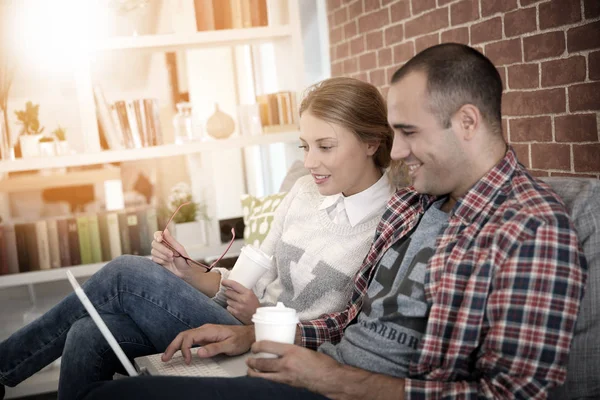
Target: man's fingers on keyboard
x=188 y=342
x=172 y=348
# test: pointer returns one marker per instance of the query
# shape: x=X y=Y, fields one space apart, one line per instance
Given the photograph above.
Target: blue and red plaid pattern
x=504 y=287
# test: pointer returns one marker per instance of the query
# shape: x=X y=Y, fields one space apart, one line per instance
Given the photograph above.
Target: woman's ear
x=372 y=147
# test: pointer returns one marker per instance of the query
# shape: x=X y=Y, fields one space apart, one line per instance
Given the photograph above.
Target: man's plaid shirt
x=504 y=288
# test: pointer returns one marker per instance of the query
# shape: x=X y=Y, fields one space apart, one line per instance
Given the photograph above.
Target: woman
x=318 y=239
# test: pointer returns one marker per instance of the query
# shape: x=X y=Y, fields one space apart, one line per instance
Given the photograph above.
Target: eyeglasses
x=189 y=261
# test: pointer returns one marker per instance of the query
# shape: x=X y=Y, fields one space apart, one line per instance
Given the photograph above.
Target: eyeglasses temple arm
x=226 y=250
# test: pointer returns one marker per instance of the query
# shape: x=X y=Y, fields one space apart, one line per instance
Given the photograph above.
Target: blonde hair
x=355 y=105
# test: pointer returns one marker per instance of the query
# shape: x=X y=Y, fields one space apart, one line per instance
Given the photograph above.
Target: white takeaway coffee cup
x=277 y=324
x=251 y=264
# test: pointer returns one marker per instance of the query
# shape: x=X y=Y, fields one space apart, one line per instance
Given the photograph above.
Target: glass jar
x=186 y=130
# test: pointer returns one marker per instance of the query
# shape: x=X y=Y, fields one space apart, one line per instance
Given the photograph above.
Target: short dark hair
x=458 y=75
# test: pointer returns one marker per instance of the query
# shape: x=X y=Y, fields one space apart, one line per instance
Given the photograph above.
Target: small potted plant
x=62 y=146
x=31 y=132
x=190 y=222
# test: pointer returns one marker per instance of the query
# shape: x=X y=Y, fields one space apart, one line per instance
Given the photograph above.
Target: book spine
x=134 y=233
x=124 y=230
x=133 y=126
x=3 y=252
x=246 y=14
x=10 y=240
x=104 y=239
x=32 y=246
x=222 y=14
x=114 y=236
x=23 y=254
x=120 y=109
x=204 y=15
x=43 y=248
x=95 y=245
x=85 y=248
x=145 y=236
x=53 y=243
x=63 y=242
x=74 y=246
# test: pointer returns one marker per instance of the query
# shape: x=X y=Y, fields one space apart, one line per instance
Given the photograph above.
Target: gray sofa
x=582 y=198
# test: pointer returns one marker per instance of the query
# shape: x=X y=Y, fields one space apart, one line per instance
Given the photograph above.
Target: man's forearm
x=348 y=383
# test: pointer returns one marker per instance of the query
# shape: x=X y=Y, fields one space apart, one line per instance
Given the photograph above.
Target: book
x=120 y=109
x=3 y=253
x=152 y=115
x=74 y=245
x=134 y=233
x=104 y=238
x=222 y=14
x=114 y=235
x=63 y=242
x=43 y=248
x=152 y=217
x=124 y=233
x=145 y=235
x=246 y=14
x=95 y=245
x=107 y=121
x=22 y=253
x=85 y=247
x=10 y=245
x=273 y=110
x=258 y=13
x=133 y=125
x=204 y=15
x=32 y=246
x=53 y=243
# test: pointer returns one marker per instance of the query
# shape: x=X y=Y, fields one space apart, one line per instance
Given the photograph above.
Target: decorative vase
x=191 y=234
x=30 y=145
x=220 y=125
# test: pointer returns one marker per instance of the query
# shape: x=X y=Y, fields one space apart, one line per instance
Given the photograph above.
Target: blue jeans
x=144 y=305
x=170 y=387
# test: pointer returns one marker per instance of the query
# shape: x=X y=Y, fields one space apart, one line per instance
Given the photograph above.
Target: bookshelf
x=286 y=38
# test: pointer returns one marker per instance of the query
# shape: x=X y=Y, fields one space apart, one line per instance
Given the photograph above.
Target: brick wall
x=547 y=53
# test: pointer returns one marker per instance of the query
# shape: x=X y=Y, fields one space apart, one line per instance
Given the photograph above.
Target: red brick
x=377 y=77
x=544 y=45
x=504 y=52
x=355 y=9
x=426 y=41
x=458 y=35
x=591 y=8
x=505 y=128
x=368 y=61
x=594 y=65
x=333 y=4
x=372 y=5
x=336 y=35
x=520 y=21
x=563 y=71
x=342 y=50
x=357 y=45
x=502 y=72
x=573 y=175
x=426 y=23
x=361 y=76
x=486 y=31
x=332 y=53
x=373 y=21
x=444 y=2
x=374 y=40
x=419 y=6
x=340 y=16
x=350 y=29
x=389 y=72
x=585 y=37
x=386 y=2
x=394 y=34
x=400 y=10
x=585 y=157
x=559 y=13
x=537 y=129
x=464 y=11
x=585 y=96
x=522 y=151
x=350 y=65
x=523 y=76
x=548 y=101
x=550 y=156
x=337 y=68
x=384 y=57
x=403 y=52
x=576 y=128
x=539 y=173
x=489 y=7
x=525 y=3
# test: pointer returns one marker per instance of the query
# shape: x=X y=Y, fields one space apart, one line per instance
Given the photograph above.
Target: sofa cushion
x=582 y=198
x=258 y=214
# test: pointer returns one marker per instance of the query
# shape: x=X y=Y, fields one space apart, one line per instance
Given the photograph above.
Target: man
x=472 y=285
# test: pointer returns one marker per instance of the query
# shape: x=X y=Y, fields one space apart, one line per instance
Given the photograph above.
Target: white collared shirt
x=360 y=206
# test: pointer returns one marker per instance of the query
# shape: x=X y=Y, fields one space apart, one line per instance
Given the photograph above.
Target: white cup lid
x=258 y=255
x=280 y=314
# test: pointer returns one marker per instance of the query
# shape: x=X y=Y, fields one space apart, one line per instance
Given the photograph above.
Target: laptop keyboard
x=177 y=366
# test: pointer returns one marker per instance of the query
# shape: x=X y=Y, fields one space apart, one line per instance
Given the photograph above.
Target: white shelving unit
x=286 y=39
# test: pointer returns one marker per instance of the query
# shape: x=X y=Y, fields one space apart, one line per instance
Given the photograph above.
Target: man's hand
x=241 y=302
x=214 y=339
x=296 y=366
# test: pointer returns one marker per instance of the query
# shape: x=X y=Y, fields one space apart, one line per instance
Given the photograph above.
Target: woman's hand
x=162 y=255
x=241 y=302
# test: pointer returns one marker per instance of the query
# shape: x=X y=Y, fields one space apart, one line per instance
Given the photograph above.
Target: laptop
x=218 y=366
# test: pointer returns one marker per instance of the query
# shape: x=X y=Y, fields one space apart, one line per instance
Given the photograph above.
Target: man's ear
x=467 y=121
x=372 y=147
